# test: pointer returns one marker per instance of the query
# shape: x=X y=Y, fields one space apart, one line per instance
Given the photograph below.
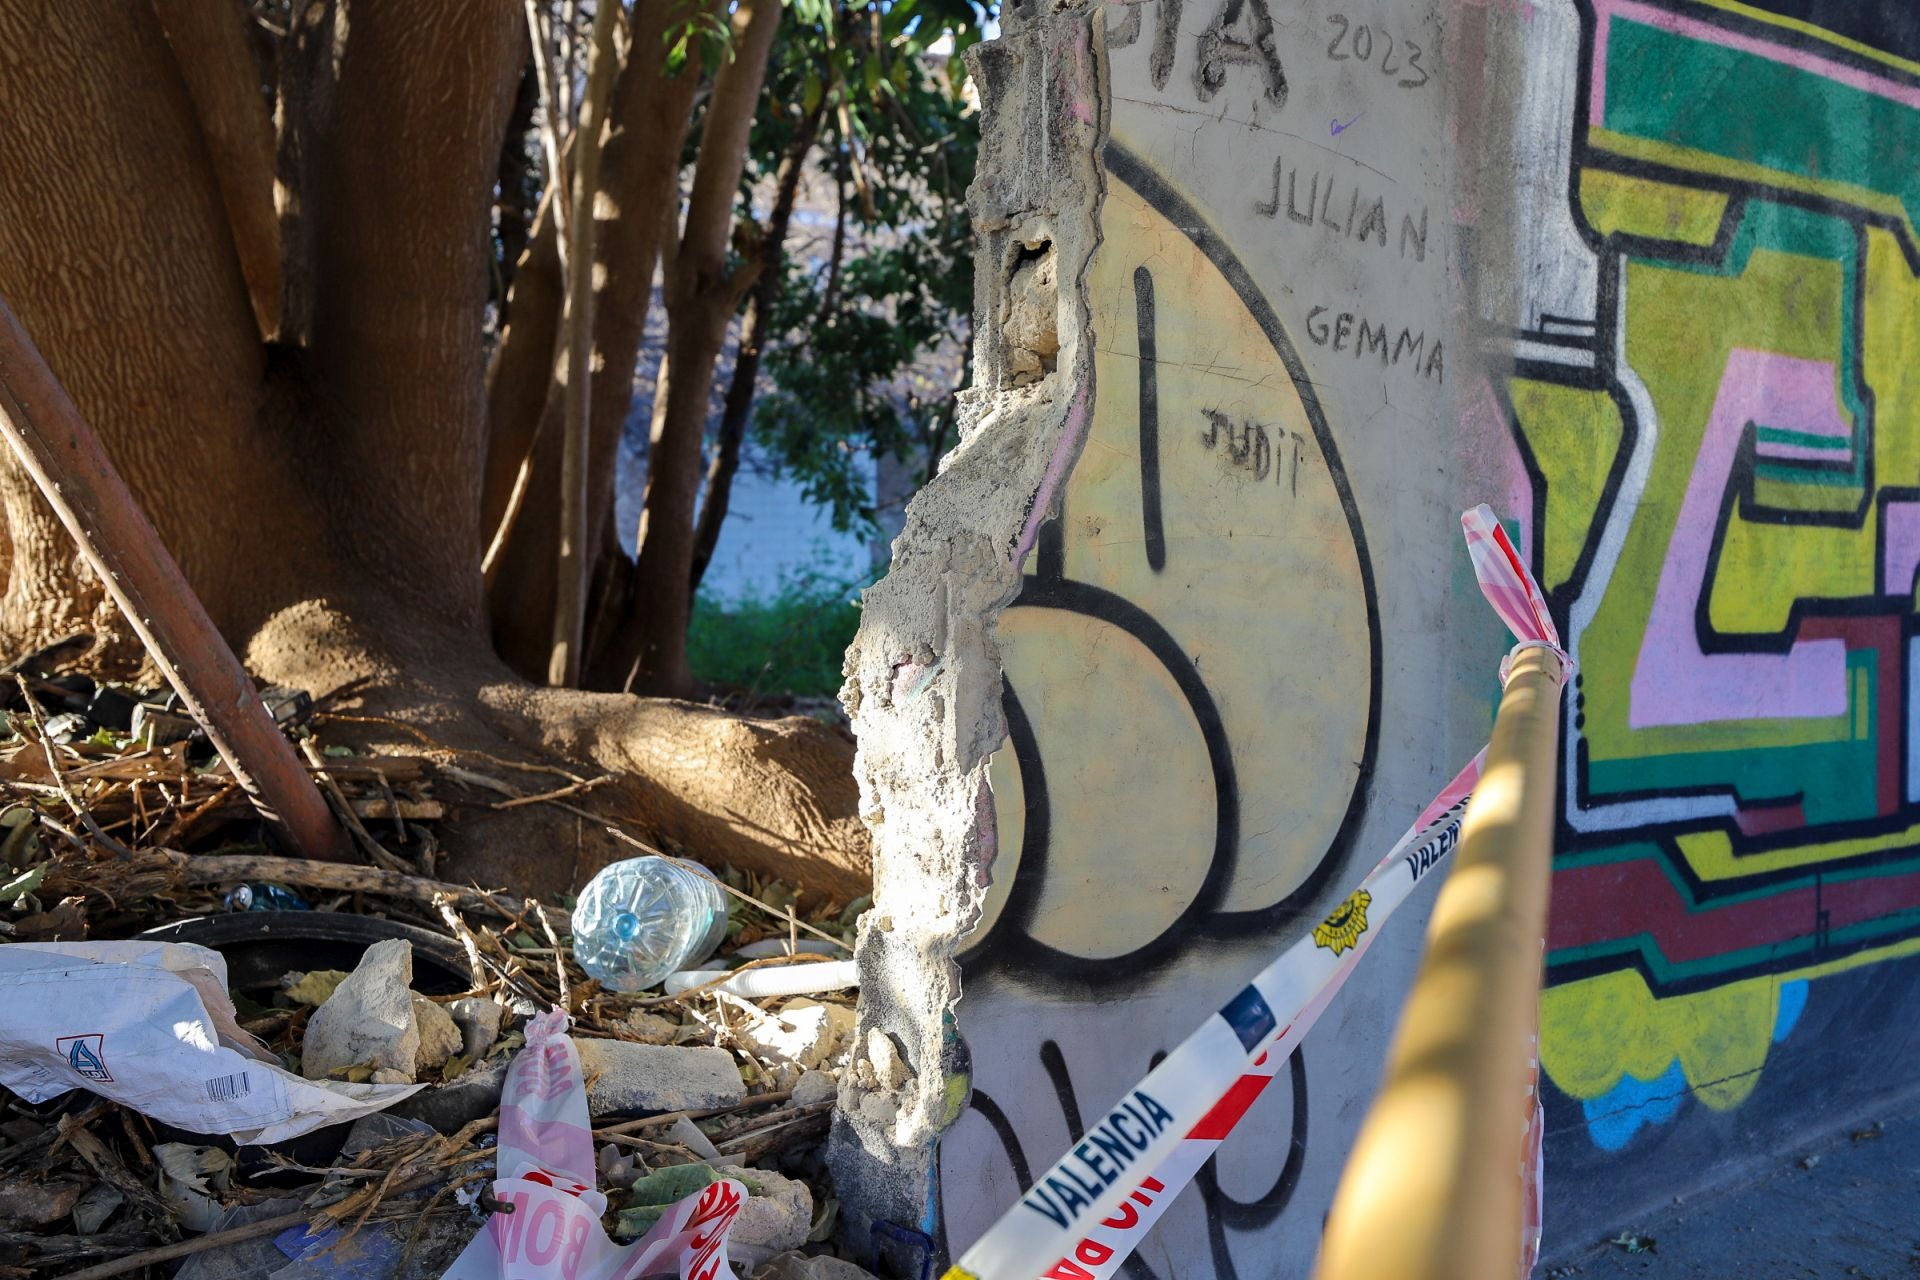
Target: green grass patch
x=790 y=641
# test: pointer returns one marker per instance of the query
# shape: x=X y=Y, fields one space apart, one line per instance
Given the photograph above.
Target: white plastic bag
x=150 y=1025
x=547 y=1179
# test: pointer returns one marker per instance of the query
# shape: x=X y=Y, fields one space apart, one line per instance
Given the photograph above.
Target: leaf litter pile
x=117 y=818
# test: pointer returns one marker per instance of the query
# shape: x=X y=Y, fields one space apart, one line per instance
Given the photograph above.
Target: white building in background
x=772 y=533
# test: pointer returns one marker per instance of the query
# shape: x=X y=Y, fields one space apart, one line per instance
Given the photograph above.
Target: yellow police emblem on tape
x=1341 y=931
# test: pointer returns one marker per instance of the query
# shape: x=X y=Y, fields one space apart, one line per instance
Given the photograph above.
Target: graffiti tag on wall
x=1720 y=483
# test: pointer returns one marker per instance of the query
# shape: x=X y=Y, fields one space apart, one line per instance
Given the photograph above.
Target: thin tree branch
x=746 y=365
x=830 y=294
x=569 y=610
x=554 y=122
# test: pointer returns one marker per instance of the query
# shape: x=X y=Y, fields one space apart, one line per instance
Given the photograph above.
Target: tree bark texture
x=322 y=492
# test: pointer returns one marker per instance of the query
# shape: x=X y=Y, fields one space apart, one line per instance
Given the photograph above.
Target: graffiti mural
x=1193 y=665
x=1719 y=480
x=1203 y=463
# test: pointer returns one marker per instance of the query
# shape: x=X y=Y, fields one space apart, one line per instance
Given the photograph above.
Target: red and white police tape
x=1081 y=1219
x=549 y=1223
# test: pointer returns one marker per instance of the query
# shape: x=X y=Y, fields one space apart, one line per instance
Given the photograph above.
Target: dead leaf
x=313 y=988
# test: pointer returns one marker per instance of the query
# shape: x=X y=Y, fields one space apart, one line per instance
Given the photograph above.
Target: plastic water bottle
x=642 y=919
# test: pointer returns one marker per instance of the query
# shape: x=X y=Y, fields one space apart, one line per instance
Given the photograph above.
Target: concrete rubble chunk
x=440 y=1038
x=777 y=1216
x=890 y=1070
x=815 y=1086
x=38 y=1203
x=798 y=1266
x=927 y=742
x=368 y=1020
x=479 y=1022
x=805 y=1032
x=657 y=1077
x=879 y=1109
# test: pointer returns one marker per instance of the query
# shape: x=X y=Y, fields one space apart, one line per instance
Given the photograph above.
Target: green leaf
x=654 y=1194
x=23 y=884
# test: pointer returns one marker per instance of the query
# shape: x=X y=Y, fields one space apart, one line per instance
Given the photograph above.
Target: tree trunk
x=212 y=49
x=639 y=173
x=745 y=380
x=701 y=296
x=147 y=319
x=322 y=493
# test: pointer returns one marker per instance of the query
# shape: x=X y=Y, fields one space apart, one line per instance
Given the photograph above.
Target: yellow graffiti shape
x=1597 y=1030
x=1890 y=323
x=1341 y=931
x=1574 y=437
x=1198 y=599
x=1654 y=210
x=1261 y=582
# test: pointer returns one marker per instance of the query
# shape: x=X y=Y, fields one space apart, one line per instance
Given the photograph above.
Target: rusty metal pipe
x=1432 y=1189
x=78 y=480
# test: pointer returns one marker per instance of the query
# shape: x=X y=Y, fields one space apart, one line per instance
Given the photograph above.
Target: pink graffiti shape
x=1693 y=28
x=1070 y=433
x=1673 y=681
x=1902 y=524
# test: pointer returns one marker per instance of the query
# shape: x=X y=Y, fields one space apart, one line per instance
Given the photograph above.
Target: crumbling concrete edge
x=923 y=683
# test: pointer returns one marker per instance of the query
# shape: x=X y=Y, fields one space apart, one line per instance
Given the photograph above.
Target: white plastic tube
x=781 y=980
x=769 y=947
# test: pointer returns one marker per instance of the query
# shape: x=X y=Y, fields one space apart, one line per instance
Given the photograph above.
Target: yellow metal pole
x=1432 y=1189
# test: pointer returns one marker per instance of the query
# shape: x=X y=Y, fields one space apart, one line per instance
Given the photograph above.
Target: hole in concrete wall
x=1032 y=327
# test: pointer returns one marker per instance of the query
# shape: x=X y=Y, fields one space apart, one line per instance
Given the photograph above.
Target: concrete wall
x=1183 y=635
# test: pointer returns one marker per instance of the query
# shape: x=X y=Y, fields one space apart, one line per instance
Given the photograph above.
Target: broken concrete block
x=890 y=1070
x=805 y=1032
x=368 y=1020
x=777 y=1216
x=657 y=1077
x=879 y=1109
x=814 y=1086
x=479 y=1023
x=440 y=1038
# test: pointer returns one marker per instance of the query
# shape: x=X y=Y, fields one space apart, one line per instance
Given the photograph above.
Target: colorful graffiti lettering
x=1721 y=476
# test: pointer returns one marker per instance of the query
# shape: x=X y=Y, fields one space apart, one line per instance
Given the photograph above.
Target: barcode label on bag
x=227 y=1088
